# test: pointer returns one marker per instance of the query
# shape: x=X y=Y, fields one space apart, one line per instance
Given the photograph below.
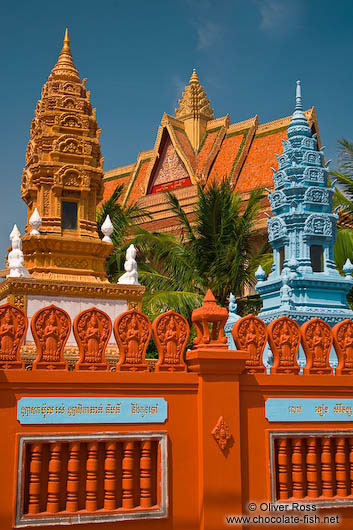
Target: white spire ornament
x=107 y=229
x=36 y=222
x=130 y=277
x=16 y=258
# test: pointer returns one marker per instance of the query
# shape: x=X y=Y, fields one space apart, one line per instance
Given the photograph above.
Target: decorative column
x=219 y=444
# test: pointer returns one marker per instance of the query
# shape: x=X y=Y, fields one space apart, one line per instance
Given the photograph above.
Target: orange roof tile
x=206 y=147
x=256 y=171
x=138 y=186
x=111 y=183
x=186 y=146
x=226 y=157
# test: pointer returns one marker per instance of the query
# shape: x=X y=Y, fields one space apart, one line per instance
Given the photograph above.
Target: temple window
x=317 y=258
x=281 y=258
x=68 y=215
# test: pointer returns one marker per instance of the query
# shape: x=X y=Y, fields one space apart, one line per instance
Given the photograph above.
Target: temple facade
x=304 y=281
x=193 y=147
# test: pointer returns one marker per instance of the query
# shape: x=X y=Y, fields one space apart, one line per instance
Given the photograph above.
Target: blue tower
x=304 y=282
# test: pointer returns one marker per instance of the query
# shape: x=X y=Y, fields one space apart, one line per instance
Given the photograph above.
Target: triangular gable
x=169 y=171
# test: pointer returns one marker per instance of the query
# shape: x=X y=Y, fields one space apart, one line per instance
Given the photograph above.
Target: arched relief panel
x=92 y=329
x=132 y=331
x=51 y=328
x=170 y=333
x=13 y=327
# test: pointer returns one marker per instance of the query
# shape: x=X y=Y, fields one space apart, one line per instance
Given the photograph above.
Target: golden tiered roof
x=64 y=173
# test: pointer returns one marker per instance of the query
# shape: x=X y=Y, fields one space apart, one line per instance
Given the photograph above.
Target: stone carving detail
x=317 y=342
x=277 y=199
x=317 y=224
x=13 y=328
x=250 y=334
x=170 y=333
x=222 y=433
x=317 y=195
x=314 y=174
x=206 y=316
x=276 y=228
x=312 y=157
x=284 y=339
x=343 y=342
x=51 y=328
x=92 y=329
x=132 y=331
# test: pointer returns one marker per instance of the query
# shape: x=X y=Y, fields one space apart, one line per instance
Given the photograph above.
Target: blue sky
x=138 y=56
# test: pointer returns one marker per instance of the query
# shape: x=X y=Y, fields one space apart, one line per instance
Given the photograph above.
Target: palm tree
x=217 y=250
x=123 y=218
x=344 y=199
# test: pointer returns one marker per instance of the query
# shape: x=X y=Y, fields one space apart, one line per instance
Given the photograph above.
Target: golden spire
x=65 y=68
x=194 y=78
x=194 y=110
x=194 y=101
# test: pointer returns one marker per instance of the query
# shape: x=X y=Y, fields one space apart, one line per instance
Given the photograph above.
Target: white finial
x=130 y=277
x=107 y=229
x=260 y=274
x=36 y=222
x=16 y=258
x=298 y=96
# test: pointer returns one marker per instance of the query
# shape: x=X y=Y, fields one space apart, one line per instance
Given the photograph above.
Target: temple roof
x=244 y=151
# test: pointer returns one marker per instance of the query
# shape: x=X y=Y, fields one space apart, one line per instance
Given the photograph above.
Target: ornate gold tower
x=63 y=180
x=194 y=110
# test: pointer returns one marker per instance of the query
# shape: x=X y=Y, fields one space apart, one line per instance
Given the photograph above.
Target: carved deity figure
x=7 y=335
x=318 y=346
x=132 y=337
x=348 y=344
x=92 y=337
x=51 y=336
x=171 y=337
x=285 y=344
x=251 y=341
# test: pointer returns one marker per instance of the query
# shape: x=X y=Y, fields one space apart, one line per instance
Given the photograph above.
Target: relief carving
x=13 y=328
x=170 y=333
x=317 y=342
x=92 y=329
x=284 y=339
x=132 y=331
x=343 y=343
x=250 y=334
x=51 y=328
x=222 y=433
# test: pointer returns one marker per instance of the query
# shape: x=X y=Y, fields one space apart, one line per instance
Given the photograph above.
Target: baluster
x=127 y=475
x=109 y=476
x=340 y=459
x=91 y=476
x=350 y=440
x=326 y=468
x=35 y=468
x=297 y=469
x=283 y=475
x=54 y=469
x=73 y=469
x=145 y=474
x=311 y=468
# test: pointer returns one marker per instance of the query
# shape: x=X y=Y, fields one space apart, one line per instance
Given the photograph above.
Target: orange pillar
x=219 y=442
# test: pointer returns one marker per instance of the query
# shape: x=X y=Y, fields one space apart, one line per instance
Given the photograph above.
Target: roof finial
x=298 y=97
x=194 y=78
x=65 y=67
x=66 y=39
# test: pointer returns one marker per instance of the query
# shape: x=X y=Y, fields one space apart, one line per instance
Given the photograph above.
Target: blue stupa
x=304 y=282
